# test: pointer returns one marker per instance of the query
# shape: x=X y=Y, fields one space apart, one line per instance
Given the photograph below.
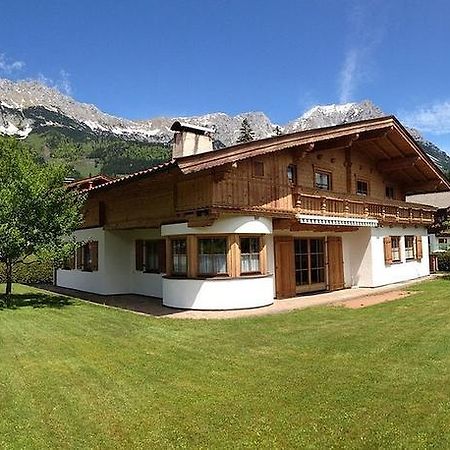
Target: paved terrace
x=353 y=298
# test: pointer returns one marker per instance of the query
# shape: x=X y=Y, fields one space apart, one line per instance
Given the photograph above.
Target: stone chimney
x=191 y=139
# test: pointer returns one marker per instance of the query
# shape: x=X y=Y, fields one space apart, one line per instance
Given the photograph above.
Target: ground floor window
x=212 y=256
x=150 y=255
x=250 y=253
x=395 y=244
x=179 y=257
x=87 y=257
x=443 y=243
x=410 y=250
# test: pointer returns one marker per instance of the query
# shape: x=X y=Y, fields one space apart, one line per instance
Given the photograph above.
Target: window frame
x=291 y=172
x=396 y=249
x=227 y=251
x=366 y=182
x=326 y=173
x=413 y=247
x=258 y=169
x=172 y=253
x=260 y=249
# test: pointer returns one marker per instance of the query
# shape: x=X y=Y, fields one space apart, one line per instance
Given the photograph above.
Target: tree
x=37 y=212
x=246 y=133
x=278 y=131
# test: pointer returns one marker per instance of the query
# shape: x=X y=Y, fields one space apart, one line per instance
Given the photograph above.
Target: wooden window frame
x=414 y=249
x=399 y=260
x=227 y=252
x=292 y=179
x=170 y=259
x=323 y=172
x=260 y=165
x=261 y=244
x=389 y=187
x=362 y=180
x=92 y=266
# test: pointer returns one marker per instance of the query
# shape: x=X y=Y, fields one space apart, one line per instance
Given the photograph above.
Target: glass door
x=309 y=264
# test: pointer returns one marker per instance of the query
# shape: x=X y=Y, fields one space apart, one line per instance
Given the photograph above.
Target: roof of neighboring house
x=89 y=182
x=391 y=144
x=437 y=199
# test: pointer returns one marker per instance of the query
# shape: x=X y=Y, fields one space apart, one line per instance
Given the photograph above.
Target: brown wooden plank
x=284 y=267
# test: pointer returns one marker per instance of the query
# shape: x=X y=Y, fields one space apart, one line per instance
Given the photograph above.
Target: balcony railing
x=347 y=205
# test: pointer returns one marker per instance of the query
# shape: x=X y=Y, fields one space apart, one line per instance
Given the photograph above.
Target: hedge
x=443 y=261
x=33 y=273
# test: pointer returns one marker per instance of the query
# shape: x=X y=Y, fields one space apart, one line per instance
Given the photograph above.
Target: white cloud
x=8 y=66
x=432 y=119
x=367 y=25
x=62 y=83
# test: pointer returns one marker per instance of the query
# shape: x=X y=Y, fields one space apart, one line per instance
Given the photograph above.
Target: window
x=212 y=256
x=362 y=187
x=87 y=257
x=322 y=180
x=150 y=255
x=292 y=173
x=179 y=257
x=69 y=262
x=389 y=192
x=410 y=251
x=250 y=251
x=258 y=169
x=442 y=244
x=395 y=244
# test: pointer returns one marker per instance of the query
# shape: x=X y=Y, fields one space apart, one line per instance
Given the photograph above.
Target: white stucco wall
x=218 y=294
x=116 y=265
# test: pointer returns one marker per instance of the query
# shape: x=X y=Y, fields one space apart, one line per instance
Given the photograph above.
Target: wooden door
x=335 y=263
x=284 y=267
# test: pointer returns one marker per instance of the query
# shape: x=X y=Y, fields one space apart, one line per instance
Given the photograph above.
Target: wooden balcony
x=347 y=205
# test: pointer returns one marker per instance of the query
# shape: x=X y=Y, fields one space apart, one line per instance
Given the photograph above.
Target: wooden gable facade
x=368 y=168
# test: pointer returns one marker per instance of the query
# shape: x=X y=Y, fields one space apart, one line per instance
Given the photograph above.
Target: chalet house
x=311 y=211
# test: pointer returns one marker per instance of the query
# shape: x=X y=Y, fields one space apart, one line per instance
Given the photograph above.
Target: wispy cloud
x=367 y=25
x=61 y=83
x=433 y=118
x=8 y=66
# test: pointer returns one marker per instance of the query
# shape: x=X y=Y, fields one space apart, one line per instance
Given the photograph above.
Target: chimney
x=191 y=139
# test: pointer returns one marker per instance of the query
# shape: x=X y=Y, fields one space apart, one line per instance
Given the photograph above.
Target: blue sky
x=141 y=59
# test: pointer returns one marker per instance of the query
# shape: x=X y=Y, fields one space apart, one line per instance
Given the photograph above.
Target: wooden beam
x=391 y=165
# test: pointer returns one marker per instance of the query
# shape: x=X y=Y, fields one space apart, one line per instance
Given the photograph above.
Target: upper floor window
x=250 y=252
x=258 y=168
x=292 y=173
x=362 y=187
x=212 y=256
x=179 y=257
x=322 y=180
x=389 y=192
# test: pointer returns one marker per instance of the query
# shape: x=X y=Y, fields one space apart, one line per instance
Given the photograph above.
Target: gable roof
x=388 y=141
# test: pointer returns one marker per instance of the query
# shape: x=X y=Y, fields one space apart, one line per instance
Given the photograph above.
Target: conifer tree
x=246 y=133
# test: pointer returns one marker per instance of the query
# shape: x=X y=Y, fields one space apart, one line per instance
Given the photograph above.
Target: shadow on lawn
x=35 y=300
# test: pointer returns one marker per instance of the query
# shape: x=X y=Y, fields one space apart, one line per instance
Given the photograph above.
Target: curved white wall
x=218 y=294
x=232 y=224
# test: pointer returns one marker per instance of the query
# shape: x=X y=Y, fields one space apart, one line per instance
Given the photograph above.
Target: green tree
x=246 y=133
x=37 y=212
x=278 y=131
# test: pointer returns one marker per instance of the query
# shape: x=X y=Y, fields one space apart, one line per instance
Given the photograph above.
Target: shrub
x=33 y=273
x=444 y=261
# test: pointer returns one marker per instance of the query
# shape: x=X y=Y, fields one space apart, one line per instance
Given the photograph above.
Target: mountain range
x=59 y=127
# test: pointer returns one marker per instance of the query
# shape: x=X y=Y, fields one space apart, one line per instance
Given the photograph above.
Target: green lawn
x=76 y=375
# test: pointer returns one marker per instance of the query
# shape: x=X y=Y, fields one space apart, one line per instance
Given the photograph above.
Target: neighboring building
x=232 y=228
x=439 y=231
x=89 y=182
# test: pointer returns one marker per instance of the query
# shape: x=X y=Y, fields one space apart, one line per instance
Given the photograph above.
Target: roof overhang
x=336 y=221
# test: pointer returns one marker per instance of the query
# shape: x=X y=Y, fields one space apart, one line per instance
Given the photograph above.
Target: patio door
x=310 y=257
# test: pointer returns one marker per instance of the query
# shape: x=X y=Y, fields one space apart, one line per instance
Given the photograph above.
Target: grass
x=77 y=375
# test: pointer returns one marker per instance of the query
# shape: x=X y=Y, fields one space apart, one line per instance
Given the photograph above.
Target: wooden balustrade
x=354 y=206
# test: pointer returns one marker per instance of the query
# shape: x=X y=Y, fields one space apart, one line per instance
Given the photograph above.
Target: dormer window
x=362 y=187
x=322 y=180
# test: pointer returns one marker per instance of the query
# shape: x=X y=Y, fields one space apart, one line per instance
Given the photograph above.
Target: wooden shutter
x=80 y=258
x=139 y=252
x=284 y=267
x=93 y=252
x=162 y=255
x=419 y=250
x=387 y=250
